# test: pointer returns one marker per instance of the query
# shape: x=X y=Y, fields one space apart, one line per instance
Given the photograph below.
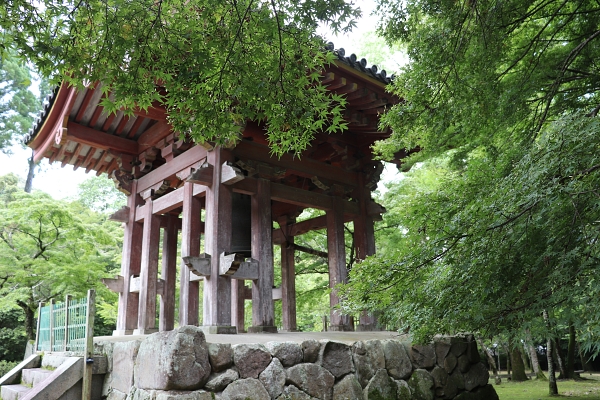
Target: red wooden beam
x=154 y=134
x=84 y=135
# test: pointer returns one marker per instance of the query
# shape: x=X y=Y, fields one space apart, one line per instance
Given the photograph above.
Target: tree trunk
x=491 y=361
x=560 y=360
x=29 y=319
x=535 y=364
x=30 y=174
x=508 y=365
x=552 y=387
x=524 y=356
x=571 y=353
x=585 y=361
x=516 y=359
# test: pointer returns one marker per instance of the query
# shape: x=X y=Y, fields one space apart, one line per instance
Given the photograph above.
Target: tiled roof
x=352 y=61
x=360 y=65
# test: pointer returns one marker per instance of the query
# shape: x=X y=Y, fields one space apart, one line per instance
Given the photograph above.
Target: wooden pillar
x=217 y=230
x=190 y=246
x=148 y=272
x=364 y=242
x=169 y=270
x=337 y=262
x=263 y=313
x=127 y=316
x=238 y=291
x=288 y=277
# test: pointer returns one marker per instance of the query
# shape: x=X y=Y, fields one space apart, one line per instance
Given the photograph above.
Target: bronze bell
x=241 y=219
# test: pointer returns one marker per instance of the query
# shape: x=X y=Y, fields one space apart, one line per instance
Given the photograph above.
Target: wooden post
x=67 y=321
x=86 y=392
x=190 y=246
x=37 y=332
x=263 y=314
x=217 y=229
x=149 y=272
x=237 y=305
x=364 y=243
x=288 y=277
x=51 y=325
x=127 y=317
x=337 y=262
x=168 y=275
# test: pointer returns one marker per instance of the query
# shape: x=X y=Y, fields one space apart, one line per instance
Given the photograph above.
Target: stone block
x=458 y=345
x=397 y=362
x=291 y=392
x=336 y=357
x=421 y=385
x=486 y=392
x=477 y=376
x=245 y=389
x=219 y=380
x=368 y=358
x=273 y=378
x=174 y=360
x=403 y=390
x=289 y=353
x=463 y=363
x=312 y=379
x=251 y=359
x=450 y=363
x=124 y=356
x=423 y=356
x=310 y=350
x=220 y=356
x=381 y=387
x=348 y=388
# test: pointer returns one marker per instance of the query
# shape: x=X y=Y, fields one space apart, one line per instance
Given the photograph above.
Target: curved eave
x=43 y=136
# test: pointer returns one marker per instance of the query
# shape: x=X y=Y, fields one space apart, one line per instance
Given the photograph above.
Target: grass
x=586 y=389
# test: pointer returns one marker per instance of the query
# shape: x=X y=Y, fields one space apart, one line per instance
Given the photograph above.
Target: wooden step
x=33 y=376
x=13 y=392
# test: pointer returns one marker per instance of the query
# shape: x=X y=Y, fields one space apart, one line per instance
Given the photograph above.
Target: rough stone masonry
x=181 y=365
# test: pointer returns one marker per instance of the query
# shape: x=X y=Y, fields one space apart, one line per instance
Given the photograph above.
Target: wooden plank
x=218 y=225
x=288 y=278
x=84 y=135
x=130 y=265
x=263 y=315
x=303 y=167
x=190 y=246
x=168 y=170
x=337 y=262
x=148 y=272
x=86 y=389
x=168 y=275
x=237 y=305
x=154 y=134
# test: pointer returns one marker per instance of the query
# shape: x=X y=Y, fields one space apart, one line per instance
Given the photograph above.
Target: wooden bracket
x=199 y=266
x=155 y=190
x=114 y=284
x=135 y=284
x=161 y=287
x=230 y=174
x=237 y=267
x=202 y=176
x=121 y=215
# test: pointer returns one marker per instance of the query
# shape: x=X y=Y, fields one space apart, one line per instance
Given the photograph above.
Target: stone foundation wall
x=181 y=365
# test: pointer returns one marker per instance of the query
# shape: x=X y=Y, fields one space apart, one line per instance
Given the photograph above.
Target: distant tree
x=50 y=248
x=18 y=105
x=98 y=193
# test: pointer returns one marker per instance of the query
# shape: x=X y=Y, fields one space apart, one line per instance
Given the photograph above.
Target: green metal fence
x=63 y=326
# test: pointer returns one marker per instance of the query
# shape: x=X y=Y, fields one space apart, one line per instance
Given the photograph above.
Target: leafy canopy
x=213 y=64
x=500 y=221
